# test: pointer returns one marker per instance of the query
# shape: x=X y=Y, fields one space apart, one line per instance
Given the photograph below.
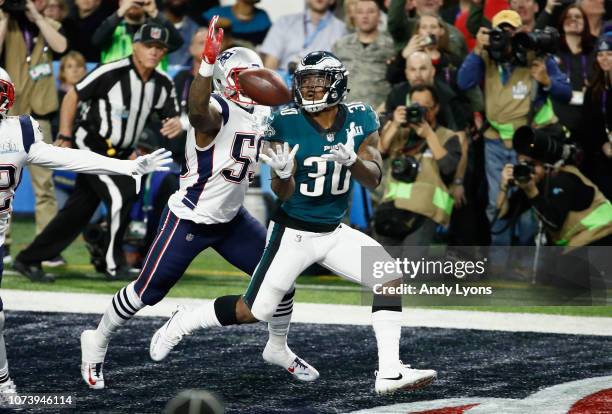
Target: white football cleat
x=167 y=337
x=406 y=379
x=92 y=360
x=286 y=359
x=7 y=388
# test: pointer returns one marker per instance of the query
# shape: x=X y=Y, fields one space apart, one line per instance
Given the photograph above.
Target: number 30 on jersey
x=319 y=174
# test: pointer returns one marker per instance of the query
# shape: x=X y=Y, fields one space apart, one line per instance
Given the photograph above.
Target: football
x=264 y=86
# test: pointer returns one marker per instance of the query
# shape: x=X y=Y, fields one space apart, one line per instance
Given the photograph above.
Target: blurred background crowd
x=453 y=64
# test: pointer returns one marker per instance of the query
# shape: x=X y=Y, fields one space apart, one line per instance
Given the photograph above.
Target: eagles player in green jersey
x=315 y=150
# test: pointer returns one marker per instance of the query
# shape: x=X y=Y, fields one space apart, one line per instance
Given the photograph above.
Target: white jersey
x=215 y=179
x=21 y=143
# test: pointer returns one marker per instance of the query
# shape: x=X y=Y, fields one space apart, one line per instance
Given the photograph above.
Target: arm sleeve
x=49 y=156
x=471 y=72
x=104 y=33
x=476 y=20
x=396 y=22
x=560 y=88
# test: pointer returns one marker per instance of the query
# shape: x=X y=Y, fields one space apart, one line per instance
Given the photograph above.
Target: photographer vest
x=509 y=109
x=121 y=46
x=581 y=228
x=427 y=195
x=39 y=96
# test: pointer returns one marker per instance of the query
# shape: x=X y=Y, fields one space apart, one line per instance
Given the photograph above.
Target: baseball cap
x=604 y=43
x=508 y=17
x=152 y=33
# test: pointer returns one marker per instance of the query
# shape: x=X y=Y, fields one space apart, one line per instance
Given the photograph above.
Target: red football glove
x=212 y=44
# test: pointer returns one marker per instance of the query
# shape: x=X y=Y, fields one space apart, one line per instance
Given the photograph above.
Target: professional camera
x=14 y=6
x=542 y=42
x=405 y=168
x=544 y=145
x=522 y=171
x=415 y=114
x=498 y=43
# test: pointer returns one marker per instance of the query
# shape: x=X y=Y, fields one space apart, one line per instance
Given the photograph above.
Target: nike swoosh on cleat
x=399 y=377
x=291 y=369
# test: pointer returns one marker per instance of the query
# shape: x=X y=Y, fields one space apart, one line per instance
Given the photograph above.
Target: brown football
x=264 y=86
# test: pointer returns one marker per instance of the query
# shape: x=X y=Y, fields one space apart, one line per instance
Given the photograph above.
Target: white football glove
x=281 y=161
x=345 y=154
x=155 y=161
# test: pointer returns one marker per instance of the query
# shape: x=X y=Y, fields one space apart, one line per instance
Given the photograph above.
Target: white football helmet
x=227 y=68
x=7 y=92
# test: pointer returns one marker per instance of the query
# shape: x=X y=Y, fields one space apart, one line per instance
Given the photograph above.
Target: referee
x=119 y=97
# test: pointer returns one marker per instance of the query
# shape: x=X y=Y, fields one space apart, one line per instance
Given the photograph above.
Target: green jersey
x=322 y=187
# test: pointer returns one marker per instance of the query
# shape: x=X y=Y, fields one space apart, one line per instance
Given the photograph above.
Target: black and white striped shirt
x=117 y=105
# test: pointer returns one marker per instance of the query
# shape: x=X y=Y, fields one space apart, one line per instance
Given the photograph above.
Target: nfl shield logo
x=330 y=137
x=189 y=237
x=156 y=33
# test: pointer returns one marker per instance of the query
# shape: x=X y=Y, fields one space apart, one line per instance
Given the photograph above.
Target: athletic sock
x=387 y=328
x=278 y=329
x=123 y=307
x=4 y=374
x=201 y=317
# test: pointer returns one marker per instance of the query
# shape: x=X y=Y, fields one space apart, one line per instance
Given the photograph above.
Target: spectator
x=82 y=23
x=120 y=96
x=430 y=37
x=114 y=36
x=401 y=27
x=349 y=15
x=28 y=41
x=71 y=70
x=510 y=103
x=596 y=132
x=457 y=16
x=410 y=212
x=527 y=9
x=594 y=11
x=175 y=12
x=365 y=54
x=454 y=112
x=249 y=23
x=576 y=60
x=56 y=10
x=314 y=29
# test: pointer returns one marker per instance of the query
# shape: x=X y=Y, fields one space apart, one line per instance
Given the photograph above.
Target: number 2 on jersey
x=7 y=182
x=317 y=187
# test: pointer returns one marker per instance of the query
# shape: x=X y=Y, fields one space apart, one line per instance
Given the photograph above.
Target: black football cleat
x=33 y=271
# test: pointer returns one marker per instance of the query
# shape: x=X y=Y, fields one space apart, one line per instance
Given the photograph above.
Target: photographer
x=27 y=43
x=518 y=87
x=572 y=209
x=114 y=36
x=423 y=164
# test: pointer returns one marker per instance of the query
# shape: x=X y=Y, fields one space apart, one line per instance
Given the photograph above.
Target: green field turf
x=210 y=276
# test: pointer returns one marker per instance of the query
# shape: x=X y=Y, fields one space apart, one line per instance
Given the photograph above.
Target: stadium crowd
x=451 y=81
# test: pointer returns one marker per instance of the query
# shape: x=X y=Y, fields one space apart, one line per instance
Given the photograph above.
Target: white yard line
x=330 y=314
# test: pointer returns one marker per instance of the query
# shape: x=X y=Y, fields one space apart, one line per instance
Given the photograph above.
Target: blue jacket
x=471 y=73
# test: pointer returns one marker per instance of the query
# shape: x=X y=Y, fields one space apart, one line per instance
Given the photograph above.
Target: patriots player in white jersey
x=21 y=144
x=221 y=152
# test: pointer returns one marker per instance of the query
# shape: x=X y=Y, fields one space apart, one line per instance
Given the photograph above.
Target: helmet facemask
x=234 y=92
x=7 y=96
